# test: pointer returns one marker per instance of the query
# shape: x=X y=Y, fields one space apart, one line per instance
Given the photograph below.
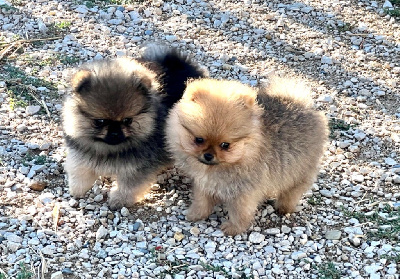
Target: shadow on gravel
x=25 y=90
x=277 y=43
x=287 y=50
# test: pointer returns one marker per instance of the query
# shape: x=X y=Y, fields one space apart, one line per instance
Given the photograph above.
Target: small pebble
x=256 y=237
x=355 y=241
x=98 y=198
x=57 y=275
x=38 y=185
x=125 y=212
x=333 y=235
x=178 y=236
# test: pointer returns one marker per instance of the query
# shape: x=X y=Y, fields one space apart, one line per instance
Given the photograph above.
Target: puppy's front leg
x=80 y=178
x=201 y=207
x=129 y=191
x=241 y=213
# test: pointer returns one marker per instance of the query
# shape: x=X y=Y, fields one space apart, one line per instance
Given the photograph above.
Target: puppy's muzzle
x=114 y=137
x=208 y=159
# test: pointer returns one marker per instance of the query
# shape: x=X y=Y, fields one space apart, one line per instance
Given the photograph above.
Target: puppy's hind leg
x=128 y=192
x=287 y=200
x=80 y=178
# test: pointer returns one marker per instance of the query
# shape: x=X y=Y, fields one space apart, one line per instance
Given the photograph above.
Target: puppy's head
x=215 y=121
x=113 y=103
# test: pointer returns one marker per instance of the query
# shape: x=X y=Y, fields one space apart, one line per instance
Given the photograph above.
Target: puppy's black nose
x=208 y=156
x=114 y=135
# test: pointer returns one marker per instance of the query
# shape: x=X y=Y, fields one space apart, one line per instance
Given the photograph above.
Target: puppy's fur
x=114 y=121
x=242 y=145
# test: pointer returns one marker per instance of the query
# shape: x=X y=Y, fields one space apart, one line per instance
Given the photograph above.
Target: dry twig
x=15 y=45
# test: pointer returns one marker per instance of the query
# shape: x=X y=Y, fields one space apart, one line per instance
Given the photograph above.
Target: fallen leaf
x=56 y=215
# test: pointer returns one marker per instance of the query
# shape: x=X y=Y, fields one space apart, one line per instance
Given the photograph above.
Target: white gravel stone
x=45 y=146
x=285 y=229
x=392 y=271
x=13 y=238
x=298 y=255
x=7 y=26
x=24 y=170
x=136 y=39
x=37 y=168
x=57 y=275
x=48 y=250
x=21 y=127
x=326 y=60
x=357 y=178
x=102 y=232
x=125 y=212
x=99 y=198
x=333 y=235
x=98 y=56
x=81 y=9
x=170 y=38
x=387 y=5
x=273 y=231
x=390 y=161
x=210 y=246
x=46 y=198
x=12 y=246
x=343 y=144
x=31 y=110
x=355 y=241
x=141 y=244
x=360 y=136
x=256 y=237
x=326 y=99
x=277 y=270
x=326 y=193
x=372 y=269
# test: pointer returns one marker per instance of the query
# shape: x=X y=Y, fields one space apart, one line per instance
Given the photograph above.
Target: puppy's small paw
x=282 y=211
x=195 y=214
x=230 y=229
x=77 y=192
x=284 y=208
x=115 y=205
x=192 y=216
x=115 y=202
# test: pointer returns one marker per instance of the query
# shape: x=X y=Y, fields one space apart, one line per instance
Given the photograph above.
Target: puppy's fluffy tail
x=175 y=68
x=292 y=88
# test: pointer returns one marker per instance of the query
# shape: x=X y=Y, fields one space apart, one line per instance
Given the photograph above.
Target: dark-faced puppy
x=114 y=121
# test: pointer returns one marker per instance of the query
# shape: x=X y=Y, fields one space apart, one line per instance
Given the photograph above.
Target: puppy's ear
x=144 y=84
x=248 y=100
x=82 y=81
x=197 y=95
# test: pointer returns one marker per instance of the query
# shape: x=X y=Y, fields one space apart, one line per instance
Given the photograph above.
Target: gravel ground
x=348 y=224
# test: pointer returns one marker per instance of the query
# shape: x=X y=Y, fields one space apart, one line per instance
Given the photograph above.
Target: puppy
x=114 y=121
x=241 y=145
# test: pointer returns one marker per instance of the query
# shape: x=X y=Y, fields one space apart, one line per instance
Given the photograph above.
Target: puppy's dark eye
x=199 y=140
x=127 y=121
x=224 y=145
x=99 y=123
